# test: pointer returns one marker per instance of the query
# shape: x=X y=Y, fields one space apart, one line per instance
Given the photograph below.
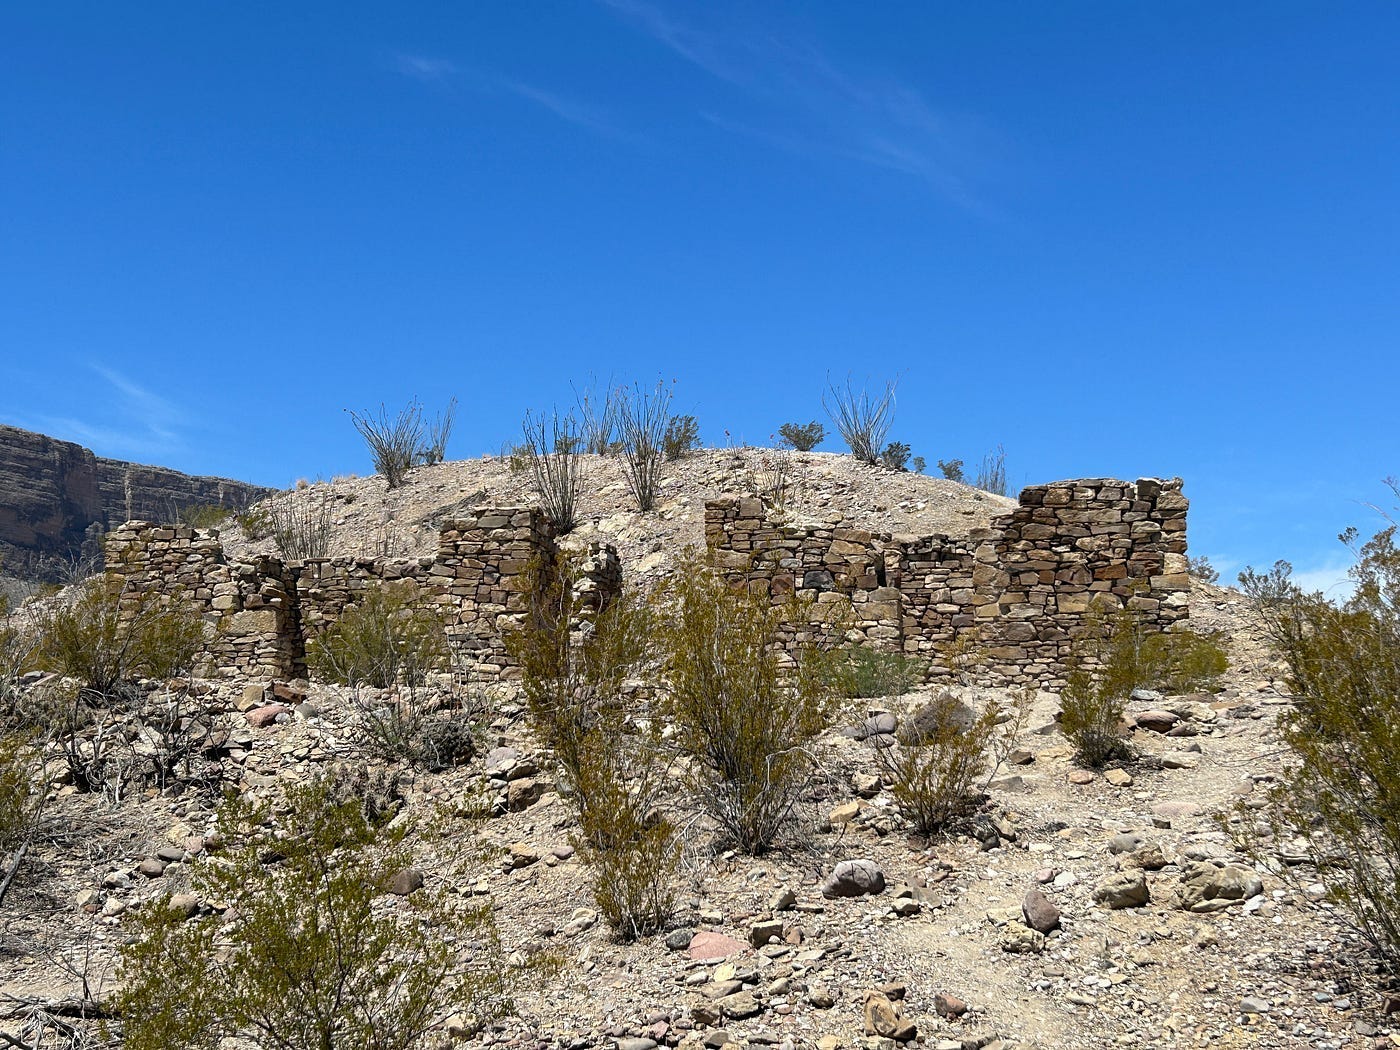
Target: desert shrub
x=554 y=447
x=573 y=673
x=858 y=671
x=895 y=456
x=991 y=474
x=1116 y=655
x=1339 y=801
x=1200 y=568
x=384 y=639
x=434 y=449
x=203 y=516
x=300 y=525
x=952 y=469
x=110 y=634
x=643 y=415
x=862 y=419
x=749 y=724
x=312 y=953
x=627 y=841
x=573 y=667
x=598 y=408
x=392 y=442
x=918 y=463
x=405 y=725
x=682 y=435
x=255 y=522
x=802 y=436
x=22 y=796
x=932 y=776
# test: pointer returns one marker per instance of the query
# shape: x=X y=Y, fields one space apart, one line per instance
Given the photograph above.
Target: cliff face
x=52 y=492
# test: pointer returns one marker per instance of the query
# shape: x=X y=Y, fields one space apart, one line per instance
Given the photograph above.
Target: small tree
x=555 y=447
x=862 y=419
x=642 y=418
x=1340 y=801
x=802 y=436
x=313 y=953
x=750 y=724
x=393 y=442
x=895 y=456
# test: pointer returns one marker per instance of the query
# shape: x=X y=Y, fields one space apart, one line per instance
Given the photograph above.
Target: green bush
x=732 y=706
x=1201 y=569
x=573 y=672
x=112 y=633
x=384 y=639
x=1339 y=802
x=860 y=672
x=802 y=436
x=1116 y=655
x=895 y=456
x=933 y=774
x=682 y=436
x=22 y=795
x=952 y=469
x=312 y=953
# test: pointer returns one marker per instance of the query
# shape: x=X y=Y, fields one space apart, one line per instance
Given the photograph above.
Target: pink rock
x=266 y=715
x=709 y=945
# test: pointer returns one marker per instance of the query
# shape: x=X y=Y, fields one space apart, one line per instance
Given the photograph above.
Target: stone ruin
x=1017 y=592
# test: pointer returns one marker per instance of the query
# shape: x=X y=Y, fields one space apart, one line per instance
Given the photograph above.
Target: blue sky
x=1119 y=239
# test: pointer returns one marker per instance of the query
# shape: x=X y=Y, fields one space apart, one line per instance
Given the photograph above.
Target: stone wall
x=262 y=614
x=1018 y=592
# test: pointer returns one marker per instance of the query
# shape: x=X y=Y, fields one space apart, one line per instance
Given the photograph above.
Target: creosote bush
x=393 y=442
x=682 y=436
x=22 y=796
x=952 y=469
x=1116 y=655
x=860 y=672
x=111 y=634
x=934 y=774
x=895 y=456
x=313 y=952
x=862 y=419
x=385 y=639
x=573 y=671
x=1200 y=568
x=1338 y=803
x=750 y=724
x=801 y=436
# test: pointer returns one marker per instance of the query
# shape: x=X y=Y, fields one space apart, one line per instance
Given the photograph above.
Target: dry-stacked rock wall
x=262 y=613
x=1016 y=593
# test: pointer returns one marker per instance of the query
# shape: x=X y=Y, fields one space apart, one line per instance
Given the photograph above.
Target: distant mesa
x=56 y=496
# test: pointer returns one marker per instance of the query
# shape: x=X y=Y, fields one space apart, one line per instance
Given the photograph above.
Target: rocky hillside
x=52 y=492
x=1079 y=909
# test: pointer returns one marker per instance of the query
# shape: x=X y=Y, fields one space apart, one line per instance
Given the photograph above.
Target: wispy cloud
x=127 y=419
x=569 y=109
x=421 y=67
x=1329 y=577
x=797 y=98
x=565 y=107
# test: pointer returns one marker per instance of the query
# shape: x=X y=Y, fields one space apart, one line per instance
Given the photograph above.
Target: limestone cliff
x=52 y=492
